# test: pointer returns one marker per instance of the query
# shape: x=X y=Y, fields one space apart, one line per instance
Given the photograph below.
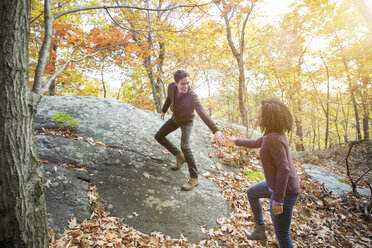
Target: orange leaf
x=95 y=32
x=157 y=61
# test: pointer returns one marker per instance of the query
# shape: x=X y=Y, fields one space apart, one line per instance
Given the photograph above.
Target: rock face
x=132 y=173
x=331 y=181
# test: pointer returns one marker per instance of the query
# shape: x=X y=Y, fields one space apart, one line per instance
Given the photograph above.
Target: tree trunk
x=103 y=84
x=364 y=96
x=365 y=126
x=318 y=128
x=52 y=88
x=355 y=105
x=159 y=81
x=327 y=105
x=336 y=122
x=154 y=87
x=156 y=90
x=23 y=220
x=345 y=124
x=238 y=53
x=242 y=91
x=314 y=138
x=356 y=112
x=300 y=134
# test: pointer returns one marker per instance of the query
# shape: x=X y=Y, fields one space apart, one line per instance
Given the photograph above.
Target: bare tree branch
x=229 y=35
x=127 y=7
x=242 y=41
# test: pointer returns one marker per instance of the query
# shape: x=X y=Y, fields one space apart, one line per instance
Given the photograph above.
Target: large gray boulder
x=132 y=173
x=331 y=181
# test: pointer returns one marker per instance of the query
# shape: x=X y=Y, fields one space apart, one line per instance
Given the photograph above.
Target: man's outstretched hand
x=219 y=138
x=162 y=116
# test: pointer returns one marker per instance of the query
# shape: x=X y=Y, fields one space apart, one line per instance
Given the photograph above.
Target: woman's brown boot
x=258 y=234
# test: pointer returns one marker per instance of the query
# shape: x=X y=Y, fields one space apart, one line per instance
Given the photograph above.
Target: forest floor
x=320 y=219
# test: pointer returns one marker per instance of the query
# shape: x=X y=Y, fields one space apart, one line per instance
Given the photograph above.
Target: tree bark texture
x=23 y=220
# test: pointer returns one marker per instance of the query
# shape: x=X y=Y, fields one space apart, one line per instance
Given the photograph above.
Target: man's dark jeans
x=171 y=126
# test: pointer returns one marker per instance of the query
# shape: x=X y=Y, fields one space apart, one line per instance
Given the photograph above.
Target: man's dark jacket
x=183 y=106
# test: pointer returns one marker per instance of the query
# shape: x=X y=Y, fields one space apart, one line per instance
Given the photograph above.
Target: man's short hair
x=179 y=75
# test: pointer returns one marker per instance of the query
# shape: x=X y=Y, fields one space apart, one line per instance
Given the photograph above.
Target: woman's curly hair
x=276 y=116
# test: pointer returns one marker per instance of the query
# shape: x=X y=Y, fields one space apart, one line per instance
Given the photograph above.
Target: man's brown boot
x=180 y=160
x=190 y=184
x=258 y=234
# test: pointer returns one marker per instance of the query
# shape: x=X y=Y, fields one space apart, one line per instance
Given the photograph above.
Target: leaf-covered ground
x=319 y=219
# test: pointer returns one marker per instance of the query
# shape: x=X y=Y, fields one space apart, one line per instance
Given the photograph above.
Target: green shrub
x=65 y=120
x=254 y=175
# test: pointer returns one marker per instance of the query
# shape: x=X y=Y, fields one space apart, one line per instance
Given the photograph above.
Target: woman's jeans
x=281 y=222
x=170 y=126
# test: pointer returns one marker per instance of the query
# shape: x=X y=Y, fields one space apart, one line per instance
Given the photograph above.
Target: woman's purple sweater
x=280 y=173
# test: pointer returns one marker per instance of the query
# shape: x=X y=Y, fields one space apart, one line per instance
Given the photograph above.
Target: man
x=183 y=101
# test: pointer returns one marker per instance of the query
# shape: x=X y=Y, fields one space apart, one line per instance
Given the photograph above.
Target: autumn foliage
x=316 y=58
x=320 y=219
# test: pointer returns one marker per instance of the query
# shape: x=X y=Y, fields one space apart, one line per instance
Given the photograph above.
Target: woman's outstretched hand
x=229 y=142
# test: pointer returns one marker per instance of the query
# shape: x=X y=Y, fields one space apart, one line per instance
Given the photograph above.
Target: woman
x=282 y=185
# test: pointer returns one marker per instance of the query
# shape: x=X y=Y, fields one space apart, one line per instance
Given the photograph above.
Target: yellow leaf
x=245 y=9
x=226 y=9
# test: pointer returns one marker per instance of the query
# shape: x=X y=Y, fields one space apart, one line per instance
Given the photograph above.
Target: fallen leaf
x=206 y=174
x=147 y=175
x=72 y=223
x=52 y=235
x=47 y=183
